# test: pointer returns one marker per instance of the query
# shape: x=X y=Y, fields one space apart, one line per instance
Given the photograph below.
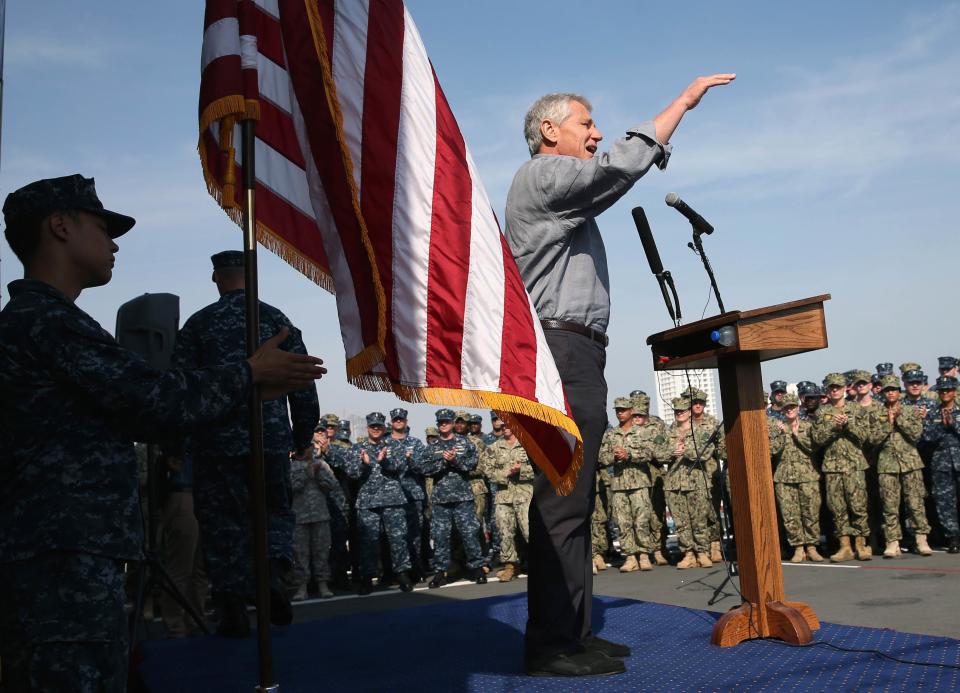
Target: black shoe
x=586 y=663
x=479 y=576
x=365 y=587
x=281 y=613
x=953 y=545
x=233 y=617
x=403 y=579
x=439 y=580
x=611 y=649
x=387 y=580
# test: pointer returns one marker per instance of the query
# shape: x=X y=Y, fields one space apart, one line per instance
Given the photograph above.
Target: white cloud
x=841 y=127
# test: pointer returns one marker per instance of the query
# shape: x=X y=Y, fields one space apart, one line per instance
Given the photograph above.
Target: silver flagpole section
x=257 y=473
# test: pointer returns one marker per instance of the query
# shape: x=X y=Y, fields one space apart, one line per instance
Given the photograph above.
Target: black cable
x=879 y=653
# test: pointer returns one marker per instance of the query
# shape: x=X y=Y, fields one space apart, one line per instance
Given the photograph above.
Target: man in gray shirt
x=552 y=232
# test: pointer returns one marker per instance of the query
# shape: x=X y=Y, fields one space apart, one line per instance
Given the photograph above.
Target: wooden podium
x=761 y=335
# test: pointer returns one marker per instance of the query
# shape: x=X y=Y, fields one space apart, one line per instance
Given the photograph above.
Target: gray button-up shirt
x=551 y=229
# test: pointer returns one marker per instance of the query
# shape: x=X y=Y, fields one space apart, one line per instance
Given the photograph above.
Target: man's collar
x=22 y=286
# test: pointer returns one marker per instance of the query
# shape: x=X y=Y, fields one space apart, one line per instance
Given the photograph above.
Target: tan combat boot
x=658 y=557
x=864 y=552
x=892 y=549
x=645 y=562
x=598 y=562
x=715 y=555
x=923 y=548
x=703 y=560
x=594 y=566
x=844 y=553
x=813 y=554
x=630 y=565
x=689 y=561
x=798 y=555
x=508 y=573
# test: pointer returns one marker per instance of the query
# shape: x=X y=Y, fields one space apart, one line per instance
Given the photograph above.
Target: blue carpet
x=477 y=646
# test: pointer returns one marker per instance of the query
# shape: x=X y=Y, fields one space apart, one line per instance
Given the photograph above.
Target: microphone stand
x=665 y=279
x=697 y=247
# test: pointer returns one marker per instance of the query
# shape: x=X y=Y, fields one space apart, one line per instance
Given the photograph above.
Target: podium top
x=771 y=333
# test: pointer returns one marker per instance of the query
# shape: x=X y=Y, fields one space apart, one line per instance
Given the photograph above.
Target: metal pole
x=258 y=484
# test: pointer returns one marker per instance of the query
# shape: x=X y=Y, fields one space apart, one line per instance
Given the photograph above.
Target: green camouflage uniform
x=513 y=493
x=900 y=469
x=844 y=466
x=796 y=482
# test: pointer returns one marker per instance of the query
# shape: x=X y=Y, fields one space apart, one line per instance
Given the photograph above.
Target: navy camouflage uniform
x=945 y=462
x=412 y=482
x=452 y=499
x=380 y=501
x=213 y=336
x=72 y=401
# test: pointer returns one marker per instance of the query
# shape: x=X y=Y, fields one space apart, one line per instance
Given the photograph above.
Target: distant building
x=671 y=384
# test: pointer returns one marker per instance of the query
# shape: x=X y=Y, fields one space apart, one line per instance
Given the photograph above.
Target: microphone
x=700 y=225
x=646 y=238
x=656 y=266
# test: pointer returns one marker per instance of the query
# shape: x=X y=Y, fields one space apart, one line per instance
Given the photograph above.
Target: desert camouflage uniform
x=687 y=487
x=630 y=482
x=796 y=481
x=844 y=466
x=900 y=469
x=513 y=494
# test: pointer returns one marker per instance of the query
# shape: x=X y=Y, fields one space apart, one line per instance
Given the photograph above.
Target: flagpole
x=258 y=484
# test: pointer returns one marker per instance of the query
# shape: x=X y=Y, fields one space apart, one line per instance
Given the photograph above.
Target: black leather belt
x=595 y=335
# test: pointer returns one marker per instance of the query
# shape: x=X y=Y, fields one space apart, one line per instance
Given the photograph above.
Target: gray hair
x=553 y=107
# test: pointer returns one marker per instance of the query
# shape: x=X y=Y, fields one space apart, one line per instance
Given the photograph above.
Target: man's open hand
x=279 y=372
x=692 y=94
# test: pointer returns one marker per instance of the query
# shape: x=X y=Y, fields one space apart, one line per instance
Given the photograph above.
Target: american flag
x=365 y=184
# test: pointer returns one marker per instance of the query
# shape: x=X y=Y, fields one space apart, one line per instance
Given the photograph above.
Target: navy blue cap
x=227 y=258
x=494 y=416
x=42 y=197
x=376 y=418
x=398 y=413
x=945 y=363
x=946 y=382
x=913 y=376
x=476 y=419
x=884 y=369
x=445 y=415
x=778 y=386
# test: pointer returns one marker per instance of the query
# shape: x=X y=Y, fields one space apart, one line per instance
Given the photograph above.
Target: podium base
x=792 y=622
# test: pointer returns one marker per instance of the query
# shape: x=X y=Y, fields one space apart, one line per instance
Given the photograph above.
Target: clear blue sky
x=829 y=166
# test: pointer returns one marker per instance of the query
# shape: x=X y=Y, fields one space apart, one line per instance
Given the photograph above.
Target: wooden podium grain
x=761 y=335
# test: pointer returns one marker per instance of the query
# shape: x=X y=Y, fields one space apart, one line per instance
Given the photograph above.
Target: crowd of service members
x=882 y=450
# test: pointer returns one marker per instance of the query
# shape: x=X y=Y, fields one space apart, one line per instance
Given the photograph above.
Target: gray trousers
x=560 y=575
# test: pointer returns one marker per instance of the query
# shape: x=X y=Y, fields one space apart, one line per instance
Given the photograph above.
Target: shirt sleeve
x=578 y=189
x=124 y=385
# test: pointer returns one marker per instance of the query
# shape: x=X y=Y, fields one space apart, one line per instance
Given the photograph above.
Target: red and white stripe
x=357 y=145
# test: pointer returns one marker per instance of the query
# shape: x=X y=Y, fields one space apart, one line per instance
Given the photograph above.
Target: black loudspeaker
x=148 y=325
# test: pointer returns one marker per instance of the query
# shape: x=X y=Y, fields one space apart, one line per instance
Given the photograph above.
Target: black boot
x=478 y=576
x=403 y=579
x=365 y=587
x=953 y=545
x=233 y=617
x=439 y=580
